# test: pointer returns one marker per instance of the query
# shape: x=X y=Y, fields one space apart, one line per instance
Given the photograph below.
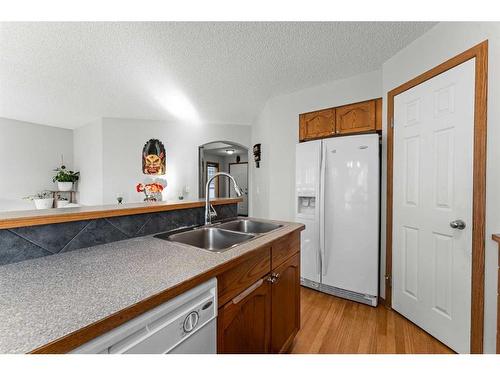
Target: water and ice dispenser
x=306 y=205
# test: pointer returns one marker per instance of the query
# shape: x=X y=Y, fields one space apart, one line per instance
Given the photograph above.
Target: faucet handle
x=212 y=212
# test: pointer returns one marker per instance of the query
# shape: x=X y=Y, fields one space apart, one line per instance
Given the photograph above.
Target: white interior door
x=433 y=161
x=240 y=173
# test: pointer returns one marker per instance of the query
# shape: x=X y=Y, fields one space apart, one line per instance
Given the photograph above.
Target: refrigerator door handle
x=322 y=209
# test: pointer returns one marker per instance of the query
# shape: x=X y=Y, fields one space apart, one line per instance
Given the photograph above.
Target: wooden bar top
x=16 y=219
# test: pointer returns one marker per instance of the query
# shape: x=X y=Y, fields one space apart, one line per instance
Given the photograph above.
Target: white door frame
x=480 y=53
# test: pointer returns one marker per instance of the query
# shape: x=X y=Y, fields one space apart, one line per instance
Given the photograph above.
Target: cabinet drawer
x=284 y=248
x=239 y=277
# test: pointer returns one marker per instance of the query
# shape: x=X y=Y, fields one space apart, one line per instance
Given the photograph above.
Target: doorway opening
x=224 y=156
x=213 y=189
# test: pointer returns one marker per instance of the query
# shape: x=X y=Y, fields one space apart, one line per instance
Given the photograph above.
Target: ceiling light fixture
x=230 y=151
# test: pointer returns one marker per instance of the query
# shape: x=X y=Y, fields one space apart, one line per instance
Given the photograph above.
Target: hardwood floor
x=334 y=325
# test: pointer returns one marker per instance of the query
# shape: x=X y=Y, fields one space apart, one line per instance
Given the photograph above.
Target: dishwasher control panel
x=165 y=327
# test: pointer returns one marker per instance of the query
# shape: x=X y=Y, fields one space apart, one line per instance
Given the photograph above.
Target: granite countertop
x=44 y=299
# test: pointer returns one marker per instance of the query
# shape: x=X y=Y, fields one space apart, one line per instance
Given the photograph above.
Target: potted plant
x=42 y=199
x=61 y=201
x=65 y=178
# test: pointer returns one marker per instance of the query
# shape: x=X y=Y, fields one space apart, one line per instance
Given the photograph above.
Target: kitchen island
x=56 y=303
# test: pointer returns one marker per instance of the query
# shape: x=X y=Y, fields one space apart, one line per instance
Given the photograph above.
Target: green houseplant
x=65 y=178
x=42 y=199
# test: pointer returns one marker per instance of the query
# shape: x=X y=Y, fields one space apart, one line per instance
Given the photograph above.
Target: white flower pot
x=61 y=203
x=42 y=204
x=64 y=186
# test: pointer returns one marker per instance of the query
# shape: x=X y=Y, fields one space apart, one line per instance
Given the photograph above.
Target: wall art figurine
x=153 y=158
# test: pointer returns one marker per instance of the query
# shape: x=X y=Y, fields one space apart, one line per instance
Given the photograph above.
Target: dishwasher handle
x=247 y=291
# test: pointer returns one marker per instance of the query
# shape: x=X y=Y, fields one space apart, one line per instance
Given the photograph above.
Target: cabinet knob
x=271 y=279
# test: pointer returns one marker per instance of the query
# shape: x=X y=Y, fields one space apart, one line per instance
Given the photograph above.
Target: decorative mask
x=153 y=158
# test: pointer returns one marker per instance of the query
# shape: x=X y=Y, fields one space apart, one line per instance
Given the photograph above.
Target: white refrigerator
x=337 y=198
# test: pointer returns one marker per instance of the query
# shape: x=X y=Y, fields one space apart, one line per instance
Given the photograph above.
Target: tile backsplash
x=24 y=243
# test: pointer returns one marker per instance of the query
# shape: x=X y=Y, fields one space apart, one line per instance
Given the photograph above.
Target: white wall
x=229 y=159
x=276 y=129
x=123 y=140
x=88 y=159
x=440 y=43
x=28 y=154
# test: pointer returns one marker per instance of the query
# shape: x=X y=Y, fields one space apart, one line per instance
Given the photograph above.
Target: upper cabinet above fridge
x=317 y=124
x=356 y=118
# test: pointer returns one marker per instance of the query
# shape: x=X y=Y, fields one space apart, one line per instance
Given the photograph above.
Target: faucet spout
x=209 y=214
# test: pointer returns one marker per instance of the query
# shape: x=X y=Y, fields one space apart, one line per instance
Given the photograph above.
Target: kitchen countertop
x=44 y=299
x=16 y=219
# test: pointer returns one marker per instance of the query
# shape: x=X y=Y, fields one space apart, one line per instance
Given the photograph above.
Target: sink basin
x=211 y=239
x=249 y=226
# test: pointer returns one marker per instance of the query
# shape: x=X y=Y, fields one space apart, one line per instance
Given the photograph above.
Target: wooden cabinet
x=260 y=313
x=353 y=118
x=378 y=114
x=244 y=323
x=285 y=309
x=317 y=124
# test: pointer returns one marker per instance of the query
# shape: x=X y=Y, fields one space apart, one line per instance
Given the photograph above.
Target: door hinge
x=389 y=280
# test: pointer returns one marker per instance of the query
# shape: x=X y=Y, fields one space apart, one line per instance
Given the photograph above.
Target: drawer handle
x=247 y=291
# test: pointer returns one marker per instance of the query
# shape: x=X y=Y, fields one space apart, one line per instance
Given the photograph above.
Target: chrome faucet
x=209 y=209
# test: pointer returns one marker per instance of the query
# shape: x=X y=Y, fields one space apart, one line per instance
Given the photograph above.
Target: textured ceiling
x=67 y=74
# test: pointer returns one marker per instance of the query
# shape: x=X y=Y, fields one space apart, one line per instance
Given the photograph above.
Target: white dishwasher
x=184 y=324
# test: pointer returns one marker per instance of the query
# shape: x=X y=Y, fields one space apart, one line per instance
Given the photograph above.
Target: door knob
x=457 y=224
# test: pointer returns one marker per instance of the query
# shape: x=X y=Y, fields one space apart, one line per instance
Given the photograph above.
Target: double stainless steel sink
x=249 y=226
x=221 y=237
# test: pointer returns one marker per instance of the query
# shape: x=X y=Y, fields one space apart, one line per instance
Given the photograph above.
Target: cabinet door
x=317 y=124
x=285 y=322
x=378 y=114
x=354 y=118
x=244 y=323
